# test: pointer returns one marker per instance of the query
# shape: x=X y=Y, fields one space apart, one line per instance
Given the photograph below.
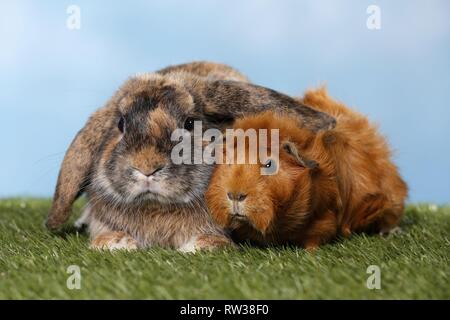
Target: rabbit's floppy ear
x=291 y=148
x=223 y=101
x=76 y=166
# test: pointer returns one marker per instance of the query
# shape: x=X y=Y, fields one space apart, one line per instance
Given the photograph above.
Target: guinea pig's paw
x=311 y=246
x=114 y=240
x=311 y=249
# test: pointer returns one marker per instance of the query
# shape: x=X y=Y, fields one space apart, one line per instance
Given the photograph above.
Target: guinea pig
x=137 y=195
x=326 y=184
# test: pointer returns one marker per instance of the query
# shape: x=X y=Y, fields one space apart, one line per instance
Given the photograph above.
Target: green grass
x=414 y=264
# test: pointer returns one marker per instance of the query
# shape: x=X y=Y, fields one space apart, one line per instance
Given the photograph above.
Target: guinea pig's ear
x=291 y=148
x=76 y=166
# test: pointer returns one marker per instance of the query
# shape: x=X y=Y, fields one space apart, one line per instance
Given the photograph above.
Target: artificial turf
x=33 y=264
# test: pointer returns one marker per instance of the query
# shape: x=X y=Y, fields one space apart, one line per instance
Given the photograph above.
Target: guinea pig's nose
x=236 y=196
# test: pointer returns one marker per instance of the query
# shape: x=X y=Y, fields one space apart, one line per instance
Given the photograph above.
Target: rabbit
x=137 y=196
x=328 y=184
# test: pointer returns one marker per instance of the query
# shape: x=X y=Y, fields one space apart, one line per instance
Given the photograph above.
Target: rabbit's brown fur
x=332 y=183
x=213 y=71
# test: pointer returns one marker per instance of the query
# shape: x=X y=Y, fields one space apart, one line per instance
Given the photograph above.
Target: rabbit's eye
x=189 y=124
x=121 y=124
x=268 y=164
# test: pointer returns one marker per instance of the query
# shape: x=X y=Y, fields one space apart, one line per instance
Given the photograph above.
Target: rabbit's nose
x=150 y=172
x=236 y=196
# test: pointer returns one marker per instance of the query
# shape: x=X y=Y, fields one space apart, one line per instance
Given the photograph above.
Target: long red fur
x=355 y=188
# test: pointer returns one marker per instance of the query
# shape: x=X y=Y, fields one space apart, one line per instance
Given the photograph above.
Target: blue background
x=52 y=78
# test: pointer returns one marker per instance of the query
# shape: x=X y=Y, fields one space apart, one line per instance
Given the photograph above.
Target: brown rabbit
x=331 y=183
x=122 y=160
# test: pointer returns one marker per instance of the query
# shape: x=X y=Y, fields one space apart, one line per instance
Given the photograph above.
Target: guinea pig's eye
x=121 y=124
x=189 y=124
x=268 y=164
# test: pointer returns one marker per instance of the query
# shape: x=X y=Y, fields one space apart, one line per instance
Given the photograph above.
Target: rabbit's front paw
x=205 y=242
x=114 y=240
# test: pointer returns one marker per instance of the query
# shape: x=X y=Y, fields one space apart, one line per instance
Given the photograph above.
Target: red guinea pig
x=328 y=184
